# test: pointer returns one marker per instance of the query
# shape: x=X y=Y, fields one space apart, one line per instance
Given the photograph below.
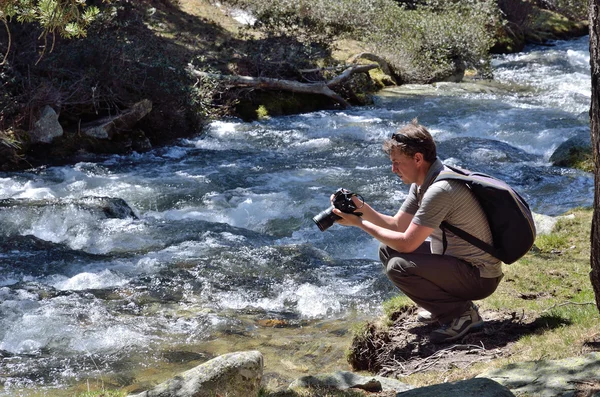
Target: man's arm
x=398 y=222
x=402 y=241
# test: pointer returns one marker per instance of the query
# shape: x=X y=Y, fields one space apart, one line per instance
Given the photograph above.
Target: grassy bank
x=549 y=289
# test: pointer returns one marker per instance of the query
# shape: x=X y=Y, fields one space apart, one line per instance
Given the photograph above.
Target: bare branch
x=3 y=19
x=320 y=88
x=383 y=65
x=567 y=303
x=349 y=72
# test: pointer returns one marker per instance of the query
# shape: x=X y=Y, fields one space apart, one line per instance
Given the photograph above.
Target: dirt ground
x=404 y=349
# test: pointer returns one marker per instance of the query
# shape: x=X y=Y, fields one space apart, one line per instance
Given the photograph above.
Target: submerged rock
x=106 y=207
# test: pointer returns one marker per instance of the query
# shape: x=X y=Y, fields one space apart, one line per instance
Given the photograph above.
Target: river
x=120 y=271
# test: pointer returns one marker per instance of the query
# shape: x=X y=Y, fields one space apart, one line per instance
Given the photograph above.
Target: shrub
x=423 y=41
x=428 y=43
x=573 y=9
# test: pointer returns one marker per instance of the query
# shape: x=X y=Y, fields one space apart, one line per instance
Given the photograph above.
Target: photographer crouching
x=441 y=275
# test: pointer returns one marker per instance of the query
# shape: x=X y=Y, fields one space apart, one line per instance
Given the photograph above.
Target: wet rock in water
x=572 y=151
x=109 y=207
x=343 y=380
x=473 y=150
x=112 y=207
x=234 y=374
x=183 y=356
x=477 y=387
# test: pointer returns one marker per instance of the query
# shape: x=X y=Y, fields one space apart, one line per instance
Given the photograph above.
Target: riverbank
x=543 y=309
x=62 y=106
x=542 y=316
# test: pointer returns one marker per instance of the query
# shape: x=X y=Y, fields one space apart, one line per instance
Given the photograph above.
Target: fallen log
x=270 y=83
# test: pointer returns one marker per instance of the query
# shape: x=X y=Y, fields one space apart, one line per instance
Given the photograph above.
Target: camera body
x=342 y=200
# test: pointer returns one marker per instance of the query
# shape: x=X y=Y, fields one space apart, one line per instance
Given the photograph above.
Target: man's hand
x=347 y=219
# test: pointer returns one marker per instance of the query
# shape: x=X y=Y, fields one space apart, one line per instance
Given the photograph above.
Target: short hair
x=411 y=139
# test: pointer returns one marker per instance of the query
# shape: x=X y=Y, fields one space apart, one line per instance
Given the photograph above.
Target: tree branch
x=349 y=72
x=320 y=88
x=3 y=19
x=567 y=303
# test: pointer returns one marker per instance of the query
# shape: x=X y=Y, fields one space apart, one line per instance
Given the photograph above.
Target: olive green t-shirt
x=453 y=202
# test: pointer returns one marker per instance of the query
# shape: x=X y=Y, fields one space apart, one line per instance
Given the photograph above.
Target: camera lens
x=325 y=219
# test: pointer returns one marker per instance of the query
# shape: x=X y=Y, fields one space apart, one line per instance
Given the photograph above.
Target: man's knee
x=382 y=255
x=386 y=253
x=398 y=267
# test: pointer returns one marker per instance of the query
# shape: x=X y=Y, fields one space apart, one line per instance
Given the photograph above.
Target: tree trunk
x=594 y=9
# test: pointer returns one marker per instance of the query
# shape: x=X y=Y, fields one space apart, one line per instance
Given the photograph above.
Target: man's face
x=404 y=166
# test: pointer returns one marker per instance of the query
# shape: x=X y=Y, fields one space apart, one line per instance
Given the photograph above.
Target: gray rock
x=343 y=380
x=550 y=378
x=47 y=127
x=233 y=375
x=106 y=127
x=101 y=207
x=476 y=387
x=544 y=224
x=577 y=146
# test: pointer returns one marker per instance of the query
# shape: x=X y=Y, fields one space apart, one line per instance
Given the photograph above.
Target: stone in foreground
x=232 y=375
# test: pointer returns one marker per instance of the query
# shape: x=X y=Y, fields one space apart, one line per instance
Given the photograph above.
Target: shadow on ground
x=405 y=349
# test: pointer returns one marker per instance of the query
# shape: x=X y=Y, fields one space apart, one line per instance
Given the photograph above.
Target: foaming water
x=164 y=259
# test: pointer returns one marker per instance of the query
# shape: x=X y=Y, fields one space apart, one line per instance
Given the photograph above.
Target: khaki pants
x=441 y=284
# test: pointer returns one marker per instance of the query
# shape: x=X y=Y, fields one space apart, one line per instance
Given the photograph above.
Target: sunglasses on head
x=405 y=139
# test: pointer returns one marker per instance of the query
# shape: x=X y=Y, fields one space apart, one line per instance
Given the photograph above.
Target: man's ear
x=419 y=159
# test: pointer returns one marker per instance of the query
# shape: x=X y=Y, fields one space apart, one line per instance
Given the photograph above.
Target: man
x=444 y=284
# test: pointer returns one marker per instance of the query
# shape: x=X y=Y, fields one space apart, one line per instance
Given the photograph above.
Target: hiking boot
x=458 y=327
x=425 y=317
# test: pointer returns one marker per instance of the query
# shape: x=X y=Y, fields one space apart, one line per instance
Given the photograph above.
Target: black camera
x=342 y=200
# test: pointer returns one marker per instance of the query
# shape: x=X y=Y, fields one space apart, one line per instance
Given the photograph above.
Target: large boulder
x=234 y=375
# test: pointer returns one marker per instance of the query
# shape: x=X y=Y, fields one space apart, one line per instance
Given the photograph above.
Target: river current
x=120 y=271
